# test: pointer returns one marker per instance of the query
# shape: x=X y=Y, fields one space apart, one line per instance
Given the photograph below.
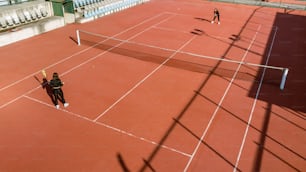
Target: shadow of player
x=197 y=32
x=202 y=19
x=46 y=86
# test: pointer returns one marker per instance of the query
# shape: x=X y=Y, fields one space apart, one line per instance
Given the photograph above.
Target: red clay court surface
x=145 y=98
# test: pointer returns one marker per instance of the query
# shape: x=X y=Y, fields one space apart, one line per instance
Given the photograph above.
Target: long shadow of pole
x=122 y=163
x=256 y=129
x=202 y=141
x=172 y=126
x=262 y=140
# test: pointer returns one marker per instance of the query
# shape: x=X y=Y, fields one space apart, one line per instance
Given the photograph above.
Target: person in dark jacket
x=56 y=85
x=216 y=15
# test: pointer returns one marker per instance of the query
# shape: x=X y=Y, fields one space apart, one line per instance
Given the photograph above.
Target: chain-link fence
x=279 y=4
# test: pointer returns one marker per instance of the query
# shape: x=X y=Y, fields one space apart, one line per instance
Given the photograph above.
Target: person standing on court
x=56 y=85
x=216 y=15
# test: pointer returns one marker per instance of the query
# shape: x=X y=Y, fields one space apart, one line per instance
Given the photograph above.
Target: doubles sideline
x=65 y=59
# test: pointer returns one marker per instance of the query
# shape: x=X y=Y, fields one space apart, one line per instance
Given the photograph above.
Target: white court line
x=67 y=58
x=145 y=78
x=171 y=30
x=83 y=117
x=186 y=32
x=220 y=102
x=223 y=19
x=254 y=105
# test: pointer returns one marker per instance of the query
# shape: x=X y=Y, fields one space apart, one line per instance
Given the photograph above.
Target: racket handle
x=44 y=74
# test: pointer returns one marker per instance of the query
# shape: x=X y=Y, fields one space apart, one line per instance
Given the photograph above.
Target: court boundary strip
x=107 y=126
x=65 y=59
x=254 y=105
x=220 y=102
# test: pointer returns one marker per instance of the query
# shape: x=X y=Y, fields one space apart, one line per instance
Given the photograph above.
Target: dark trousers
x=58 y=95
x=217 y=17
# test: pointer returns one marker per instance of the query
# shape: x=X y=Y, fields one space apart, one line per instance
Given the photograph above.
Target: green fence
x=62 y=6
x=266 y=4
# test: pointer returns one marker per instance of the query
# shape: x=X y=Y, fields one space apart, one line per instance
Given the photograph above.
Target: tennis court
x=157 y=87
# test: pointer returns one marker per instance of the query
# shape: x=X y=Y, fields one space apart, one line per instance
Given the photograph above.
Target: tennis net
x=226 y=68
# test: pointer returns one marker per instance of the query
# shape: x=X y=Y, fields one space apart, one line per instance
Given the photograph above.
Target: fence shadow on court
x=125 y=167
x=292 y=97
x=190 y=102
x=204 y=143
x=262 y=131
x=288 y=51
x=122 y=163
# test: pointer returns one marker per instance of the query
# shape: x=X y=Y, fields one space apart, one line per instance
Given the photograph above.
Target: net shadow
x=200 y=67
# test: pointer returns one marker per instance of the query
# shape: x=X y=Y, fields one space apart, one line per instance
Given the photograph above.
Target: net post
x=78 y=37
x=284 y=77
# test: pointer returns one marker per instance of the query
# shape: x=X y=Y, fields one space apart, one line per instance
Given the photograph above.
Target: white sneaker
x=57 y=106
x=212 y=22
x=218 y=22
x=66 y=104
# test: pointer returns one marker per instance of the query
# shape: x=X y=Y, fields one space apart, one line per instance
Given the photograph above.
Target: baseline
x=108 y=126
